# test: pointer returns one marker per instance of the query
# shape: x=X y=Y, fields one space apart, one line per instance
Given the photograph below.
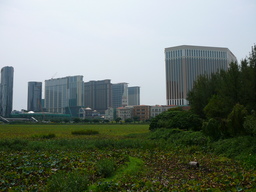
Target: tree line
x=222 y=104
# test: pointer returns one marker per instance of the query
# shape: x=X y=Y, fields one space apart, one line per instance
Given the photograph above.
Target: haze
x=121 y=40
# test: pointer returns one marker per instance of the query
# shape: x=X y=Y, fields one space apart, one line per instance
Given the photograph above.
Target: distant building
x=133 y=95
x=119 y=95
x=34 y=96
x=125 y=112
x=110 y=114
x=185 y=63
x=158 y=109
x=142 y=112
x=64 y=95
x=88 y=113
x=98 y=95
x=6 y=91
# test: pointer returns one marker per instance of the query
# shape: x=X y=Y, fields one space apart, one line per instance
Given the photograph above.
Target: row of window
x=196 y=53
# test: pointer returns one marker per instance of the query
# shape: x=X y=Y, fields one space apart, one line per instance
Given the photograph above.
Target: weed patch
x=85 y=132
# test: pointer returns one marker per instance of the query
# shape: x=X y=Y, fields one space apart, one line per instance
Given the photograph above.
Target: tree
x=216 y=108
x=176 y=119
x=236 y=120
x=204 y=88
x=118 y=119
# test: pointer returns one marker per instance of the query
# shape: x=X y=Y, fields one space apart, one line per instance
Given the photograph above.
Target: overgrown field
x=115 y=158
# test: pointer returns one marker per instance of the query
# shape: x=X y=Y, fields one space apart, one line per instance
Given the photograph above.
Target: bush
x=74 y=181
x=163 y=133
x=85 y=132
x=47 y=136
x=14 y=144
x=105 y=167
x=185 y=120
x=212 y=129
x=250 y=125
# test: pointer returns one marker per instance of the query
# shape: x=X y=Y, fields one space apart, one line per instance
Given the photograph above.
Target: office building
x=98 y=95
x=119 y=95
x=6 y=91
x=64 y=95
x=134 y=95
x=183 y=64
x=34 y=96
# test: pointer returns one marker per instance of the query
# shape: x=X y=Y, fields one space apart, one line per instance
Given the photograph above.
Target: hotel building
x=64 y=95
x=183 y=64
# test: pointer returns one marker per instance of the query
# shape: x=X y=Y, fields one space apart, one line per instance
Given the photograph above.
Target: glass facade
x=134 y=96
x=183 y=64
x=64 y=94
x=6 y=91
x=34 y=96
x=119 y=95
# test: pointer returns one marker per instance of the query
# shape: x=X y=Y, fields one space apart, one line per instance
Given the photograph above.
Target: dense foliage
x=227 y=100
x=176 y=118
x=134 y=161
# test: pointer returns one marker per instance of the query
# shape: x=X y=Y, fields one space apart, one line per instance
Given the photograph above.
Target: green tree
x=204 y=88
x=216 y=108
x=236 y=120
x=118 y=119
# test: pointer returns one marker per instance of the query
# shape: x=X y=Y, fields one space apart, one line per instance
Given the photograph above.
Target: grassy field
x=117 y=158
x=8 y=131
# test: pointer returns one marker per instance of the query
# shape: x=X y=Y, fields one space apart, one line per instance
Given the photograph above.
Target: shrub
x=47 y=136
x=74 y=181
x=13 y=144
x=105 y=167
x=185 y=120
x=250 y=125
x=85 y=132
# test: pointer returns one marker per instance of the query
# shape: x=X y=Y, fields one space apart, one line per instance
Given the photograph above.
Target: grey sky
x=121 y=40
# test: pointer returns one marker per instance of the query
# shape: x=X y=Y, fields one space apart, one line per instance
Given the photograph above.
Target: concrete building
x=133 y=95
x=98 y=95
x=110 y=114
x=88 y=113
x=119 y=95
x=142 y=112
x=34 y=96
x=183 y=64
x=6 y=91
x=64 y=95
x=125 y=112
x=158 y=109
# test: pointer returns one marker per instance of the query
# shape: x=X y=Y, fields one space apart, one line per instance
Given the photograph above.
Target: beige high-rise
x=183 y=65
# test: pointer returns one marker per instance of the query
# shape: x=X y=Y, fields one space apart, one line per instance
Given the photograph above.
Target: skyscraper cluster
x=67 y=95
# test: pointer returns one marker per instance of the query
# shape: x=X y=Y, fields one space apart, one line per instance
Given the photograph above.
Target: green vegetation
x=218 y=132
x=85 y=132
x=226 y=100
x=123 y=158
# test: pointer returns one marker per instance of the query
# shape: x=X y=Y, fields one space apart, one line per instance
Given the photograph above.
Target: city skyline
x=119 y=40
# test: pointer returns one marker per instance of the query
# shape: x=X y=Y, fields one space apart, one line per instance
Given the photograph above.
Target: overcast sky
x=121 y=40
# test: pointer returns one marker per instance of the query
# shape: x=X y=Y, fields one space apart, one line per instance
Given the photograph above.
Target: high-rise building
x=64 y=95
x=119 y=95
x=98 y=95
x=6 y=91
x=34 y=96
x=134 y=95
x=183 y=64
